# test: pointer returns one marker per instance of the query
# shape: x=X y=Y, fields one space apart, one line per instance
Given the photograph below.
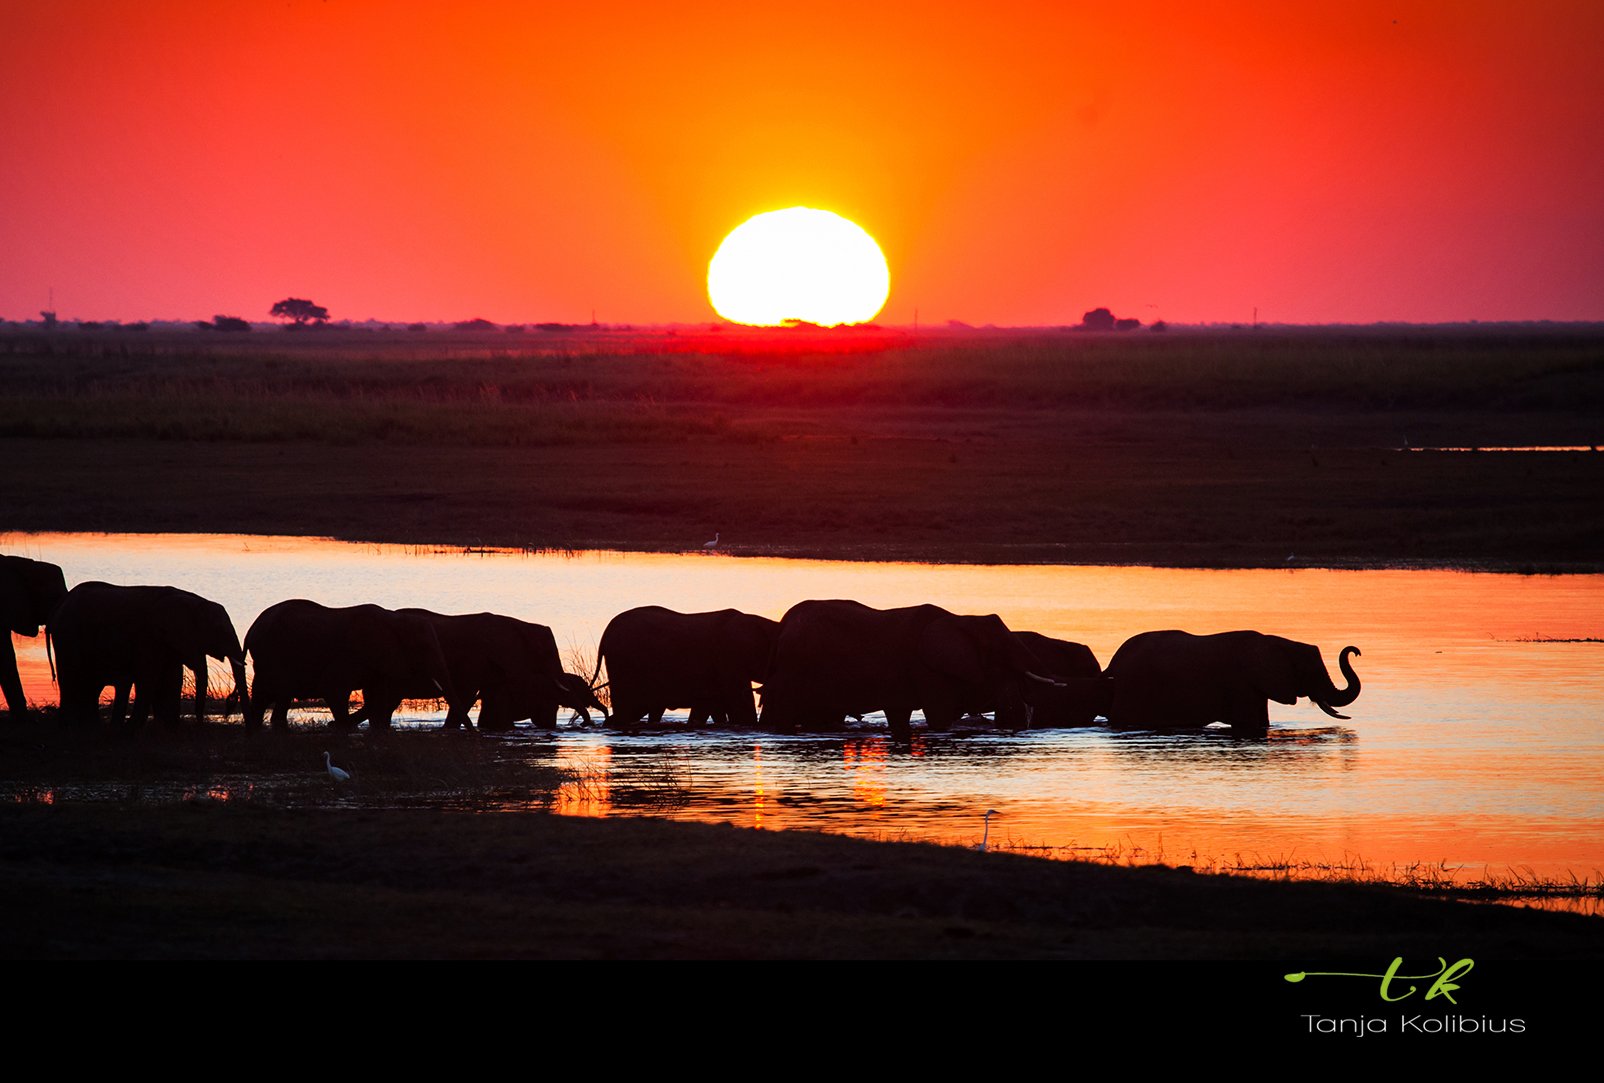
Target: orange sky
x=1019 y=163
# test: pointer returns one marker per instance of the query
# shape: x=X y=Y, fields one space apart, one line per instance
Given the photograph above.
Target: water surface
x=1476 y=743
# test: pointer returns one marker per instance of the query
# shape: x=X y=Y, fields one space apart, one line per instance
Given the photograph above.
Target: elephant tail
x=51 y=657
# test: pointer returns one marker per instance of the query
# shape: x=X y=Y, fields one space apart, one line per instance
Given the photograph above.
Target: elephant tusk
x=438 y=687
x=1330 y=711
x=1045 y=680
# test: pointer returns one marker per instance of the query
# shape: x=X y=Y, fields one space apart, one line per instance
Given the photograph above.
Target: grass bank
x=1212 y=449
x=209 y=880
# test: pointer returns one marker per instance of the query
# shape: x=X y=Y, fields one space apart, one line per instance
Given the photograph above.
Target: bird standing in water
x=336 y=773
x=712 y=544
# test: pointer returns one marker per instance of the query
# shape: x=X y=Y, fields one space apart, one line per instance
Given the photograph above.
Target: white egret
x=712 y=544
x=986 y=835
x=336 y=773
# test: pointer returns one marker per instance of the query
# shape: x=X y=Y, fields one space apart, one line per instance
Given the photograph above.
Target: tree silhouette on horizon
x=299 y=310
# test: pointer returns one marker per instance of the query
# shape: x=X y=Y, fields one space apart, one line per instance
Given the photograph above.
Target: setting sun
x=798 y=264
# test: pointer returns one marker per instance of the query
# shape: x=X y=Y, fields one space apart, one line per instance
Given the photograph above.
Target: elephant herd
x=823 y=661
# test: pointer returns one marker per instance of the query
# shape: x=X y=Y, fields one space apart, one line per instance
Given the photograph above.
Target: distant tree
x=1159 y=325
x=1098 y=319
x=1129 y=323
x=299 y=311
x=230 y=323
x=478 y=323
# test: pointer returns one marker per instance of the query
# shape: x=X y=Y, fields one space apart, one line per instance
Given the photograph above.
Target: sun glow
x=798 y=264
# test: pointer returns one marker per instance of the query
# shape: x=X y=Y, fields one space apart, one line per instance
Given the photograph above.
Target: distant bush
x=475 y=324
x=227 y=323
x=417 y=328
x=1098 y=319
x=1129 y=323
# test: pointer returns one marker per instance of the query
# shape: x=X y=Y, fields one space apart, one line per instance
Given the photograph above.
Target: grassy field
x=1185 y=448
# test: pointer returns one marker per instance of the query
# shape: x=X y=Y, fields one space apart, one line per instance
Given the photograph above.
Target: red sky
x=1019 y=163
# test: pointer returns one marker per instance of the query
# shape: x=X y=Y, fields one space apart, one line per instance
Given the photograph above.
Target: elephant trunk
x=241 y=689
x=1335 y=697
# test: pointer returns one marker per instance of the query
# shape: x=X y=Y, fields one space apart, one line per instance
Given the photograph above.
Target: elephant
x=139 y=638
x=1082 y=692
x=510 y=665
x=835 y=658
x=303 y=649
x=30 y=590
x=1176 y=679
x=658 y=659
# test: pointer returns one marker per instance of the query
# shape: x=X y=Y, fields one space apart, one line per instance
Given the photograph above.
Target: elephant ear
x=1274 y=666
x=222 y=640
x=957 y=646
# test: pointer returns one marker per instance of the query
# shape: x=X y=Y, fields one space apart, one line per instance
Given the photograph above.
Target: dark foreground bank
x=200 y=880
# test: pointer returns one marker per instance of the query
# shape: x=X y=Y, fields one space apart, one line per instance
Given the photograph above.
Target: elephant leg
x=701 y=713
x=457 y=712
x=626 y=712
x=80 y=702
x=655 y=717
x=941 y=713
x=167 y=690
x=1249 y=715
x=738 y=709
x=901 y=720
x=494 y=715
x=11 y=679
x=119 y=703
x=1013 y=713
x=254 y=705
x=281 y=714
x=339 y=704
x=379 y=709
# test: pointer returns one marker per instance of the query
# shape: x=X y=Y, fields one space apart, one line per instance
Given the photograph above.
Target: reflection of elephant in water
x=1082 y=692
x=30 y=590
x=836 y=658
x=1171 y=678
x=141 y=638
x=658 y=659
x=303 y=649
x=510 y=665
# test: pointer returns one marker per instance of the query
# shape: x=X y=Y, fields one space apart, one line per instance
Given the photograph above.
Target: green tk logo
x=1444 y=985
